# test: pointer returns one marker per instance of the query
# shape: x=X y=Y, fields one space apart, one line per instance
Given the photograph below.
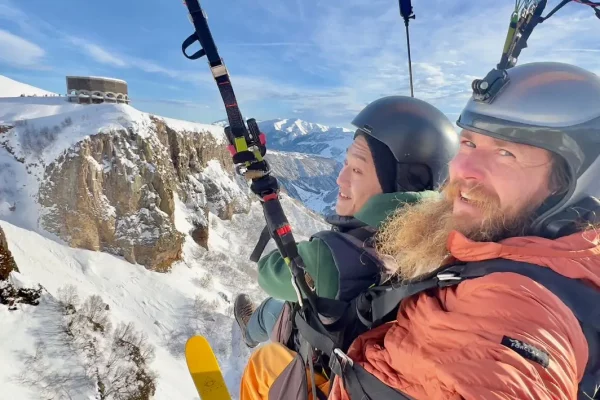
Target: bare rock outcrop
x=7 y=262
x=114 y=192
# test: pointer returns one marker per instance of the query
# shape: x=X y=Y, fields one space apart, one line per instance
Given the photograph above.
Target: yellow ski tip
x=205 y=371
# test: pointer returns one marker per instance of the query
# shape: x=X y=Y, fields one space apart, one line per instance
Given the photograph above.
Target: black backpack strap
x=362 y=385
x=364 y=234
x=357 y=263
x=374 y=305
x=359 y=383
x=316 y=339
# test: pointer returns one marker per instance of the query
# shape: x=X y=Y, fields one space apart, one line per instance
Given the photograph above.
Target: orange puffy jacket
x=448 y=345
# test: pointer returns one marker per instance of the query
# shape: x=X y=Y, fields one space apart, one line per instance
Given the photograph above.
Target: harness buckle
x=218 y=70
x=343 y=357
x=338 y=361
x=448 y=278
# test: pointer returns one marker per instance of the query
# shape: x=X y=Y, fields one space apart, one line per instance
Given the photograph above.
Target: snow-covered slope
x=194 y=296
x=12 y=88
x=95 y=116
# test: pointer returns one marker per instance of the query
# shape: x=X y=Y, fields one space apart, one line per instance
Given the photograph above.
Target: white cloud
x=267 y=44
x=152 y=67
x=19 y=52
x=173 y=102
x=118 y=60
x=101 y=55
x=98 y=53
x=8 y=12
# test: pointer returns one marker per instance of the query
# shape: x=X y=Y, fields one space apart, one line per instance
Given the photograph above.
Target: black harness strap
x=360 y=384
x=388 y=300
x=582 y=299
x=316 y=339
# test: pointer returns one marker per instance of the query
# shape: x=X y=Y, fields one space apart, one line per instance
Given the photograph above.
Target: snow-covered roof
x=96 y=77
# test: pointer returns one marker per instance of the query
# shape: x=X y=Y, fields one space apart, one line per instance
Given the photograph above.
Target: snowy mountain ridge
x=308 y=178
x=307 y=137
x=296 y=135
x=297 y=127
x=12 y=88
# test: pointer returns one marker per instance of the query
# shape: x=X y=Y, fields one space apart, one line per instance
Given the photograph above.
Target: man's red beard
x=413 y=241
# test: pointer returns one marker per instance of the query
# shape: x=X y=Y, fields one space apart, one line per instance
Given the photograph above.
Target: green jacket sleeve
x=274 y=276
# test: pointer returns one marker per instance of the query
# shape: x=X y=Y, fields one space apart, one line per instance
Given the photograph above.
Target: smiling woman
x=358 y=179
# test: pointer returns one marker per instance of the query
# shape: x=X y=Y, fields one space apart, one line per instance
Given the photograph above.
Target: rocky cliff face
x=7 y=263
x=116 y=190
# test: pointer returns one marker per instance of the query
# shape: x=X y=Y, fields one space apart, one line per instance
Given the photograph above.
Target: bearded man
x=522 y=193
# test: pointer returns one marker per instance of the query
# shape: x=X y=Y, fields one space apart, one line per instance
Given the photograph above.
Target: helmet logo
x=368 y=128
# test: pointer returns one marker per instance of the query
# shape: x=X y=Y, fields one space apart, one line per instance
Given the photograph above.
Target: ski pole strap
x=247 y=145
x=267 y=188
x=187 y=43
x=263 y=240
x=217 y=67
x=512 y=29
x=532 y=20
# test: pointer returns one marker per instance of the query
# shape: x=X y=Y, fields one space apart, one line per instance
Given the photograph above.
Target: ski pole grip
x=254 y=131
x=274 y=215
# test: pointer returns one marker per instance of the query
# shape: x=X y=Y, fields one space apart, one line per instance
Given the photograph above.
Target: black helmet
x=417 y=133
x=553 y=106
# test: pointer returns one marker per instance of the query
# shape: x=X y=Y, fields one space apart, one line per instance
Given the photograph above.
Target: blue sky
x=318 y=60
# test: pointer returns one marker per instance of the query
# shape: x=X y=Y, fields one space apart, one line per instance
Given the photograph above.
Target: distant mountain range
x=307 y=158
x=296 y=135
